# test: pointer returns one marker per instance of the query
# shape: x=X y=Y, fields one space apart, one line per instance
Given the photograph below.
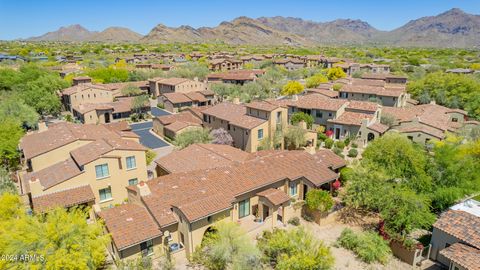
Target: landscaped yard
x=330 y=229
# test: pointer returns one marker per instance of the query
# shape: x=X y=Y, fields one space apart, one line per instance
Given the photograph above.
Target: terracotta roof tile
x=261 y=105
x=219 y=186
x=317 y=101
x=55 y=174
x=129 y=224
x=65 y=198
x=462 y=225
x=362 y=106
x=351 y=118
x=466 y=256
x=201 y=156
x=176 y=98
x=378 y=127
x=58 y=135
x=275 y=196
x=330 y=159
x=236 y=114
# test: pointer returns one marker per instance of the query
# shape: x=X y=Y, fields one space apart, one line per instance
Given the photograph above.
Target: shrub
x=318 y=199
x=301 y=116
x=337 y=151
x=321 y=136
x=307 y=217
x=295 y=221
x=328 y=143
x=353 y=153
x=369 y=246
x=347 y=141
x=340 y=144
x=346 y=174
x=354 y=145
x=161 y=106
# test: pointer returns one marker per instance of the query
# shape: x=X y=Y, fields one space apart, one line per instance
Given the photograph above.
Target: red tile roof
x=236 y=114
x=363 y=106
x=351 y=118
x=274 y=196
x=378 y=127
x=65 y=198
x=317 y=101
x=129 y=224
x=214 y=189
x=201 y=156
x=460 y=224
x=330 y=159
x=261 y=105
x=54 y=174
x=466 y=256
x=61 y=134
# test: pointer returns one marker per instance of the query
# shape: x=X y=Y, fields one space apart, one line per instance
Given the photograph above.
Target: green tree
x=295 y=137
x=227 y=246
x=150 y=156
x=139 y=103
x=294 y=249
x=10 y=134
x=6 y=183
x=316 y=80
x=131 y=90
x=14 y=108
x=319 y=200
x=192 y=136
x=401 y=159
x=335 y=73
x=301 y=116
x=61 y=239
x=108 y=74
x=292 y=88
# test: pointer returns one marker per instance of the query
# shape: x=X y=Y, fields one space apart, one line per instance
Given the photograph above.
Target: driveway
x=158 y=112
x=146 y=138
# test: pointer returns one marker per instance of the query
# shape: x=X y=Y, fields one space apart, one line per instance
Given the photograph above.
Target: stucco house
x=257 y=193
x=72 y=164
x=224 y=64
x=426 y=122
x=456 y=237
x=248 y=124
x=171 y=125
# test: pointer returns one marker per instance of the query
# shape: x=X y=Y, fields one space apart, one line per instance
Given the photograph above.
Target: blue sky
x=21 y=18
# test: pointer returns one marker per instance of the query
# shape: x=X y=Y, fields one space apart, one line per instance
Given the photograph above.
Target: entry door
x=337 y=133
x=107 y=118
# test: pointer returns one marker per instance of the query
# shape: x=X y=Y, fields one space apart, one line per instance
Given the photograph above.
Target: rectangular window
x=293 y=189
x=260 y=134
x=105 y=194
x=102 y=171
x=146 y=248
x=131 y=163
x=318 y=114
x=133 y=181
x=244 y=208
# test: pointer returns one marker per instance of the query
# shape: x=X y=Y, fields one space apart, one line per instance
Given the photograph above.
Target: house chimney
x=143 y=189
x=295 y=98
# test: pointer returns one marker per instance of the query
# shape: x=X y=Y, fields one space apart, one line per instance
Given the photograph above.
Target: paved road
x=159 y=112
x=146 y=138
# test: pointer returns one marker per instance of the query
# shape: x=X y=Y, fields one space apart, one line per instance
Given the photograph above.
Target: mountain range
x=453 y=28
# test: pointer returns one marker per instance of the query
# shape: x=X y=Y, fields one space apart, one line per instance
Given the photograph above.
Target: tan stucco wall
x=118 y=179
x=54 y=156
x=91 y=96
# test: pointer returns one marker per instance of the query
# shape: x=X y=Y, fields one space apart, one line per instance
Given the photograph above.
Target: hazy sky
x=22 y=19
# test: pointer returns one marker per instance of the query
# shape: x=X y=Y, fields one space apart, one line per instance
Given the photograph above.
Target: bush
x=347 y=141
x=295 y=221
x=369 y=246
x=346 y=174
x=337 y=151
x=328 y=143
x=307 y=217
x=161 y=106
x=321 y=136
x=301 y=116
x=340 y=144
x=353 y=153
x=354 y=145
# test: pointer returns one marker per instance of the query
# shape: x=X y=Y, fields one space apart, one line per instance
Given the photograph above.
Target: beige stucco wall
x=56 y=155
x=118 y=179
x=439 y=241
x=91 y=95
